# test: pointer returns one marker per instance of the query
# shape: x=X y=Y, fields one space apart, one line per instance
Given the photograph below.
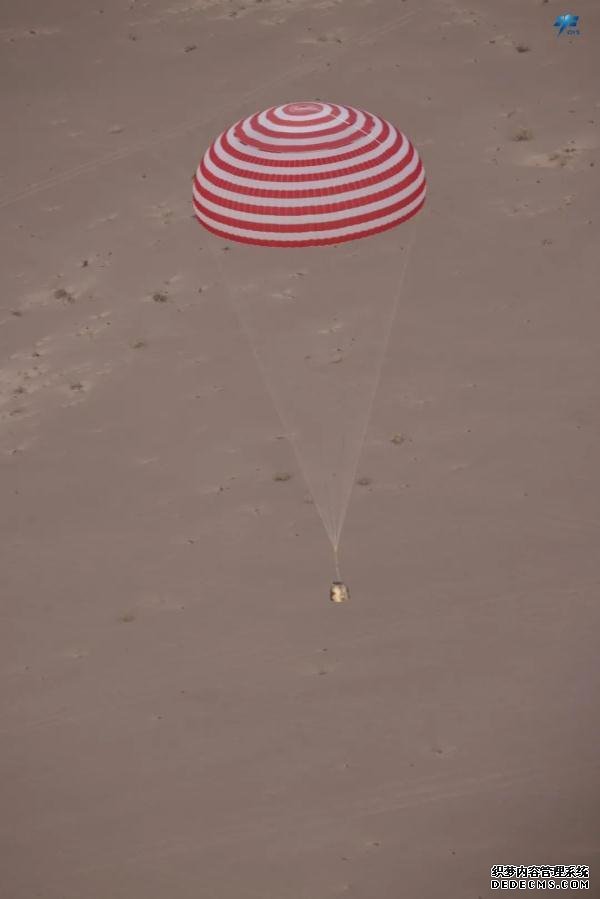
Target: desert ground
x=185 y=715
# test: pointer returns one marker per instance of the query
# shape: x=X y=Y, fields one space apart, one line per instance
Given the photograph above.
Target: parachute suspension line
x=338 y=513
x=341 y=476
x=336 y=562
x=376 y=381
x=340 y=487
x=324 y=514
x=328 y=505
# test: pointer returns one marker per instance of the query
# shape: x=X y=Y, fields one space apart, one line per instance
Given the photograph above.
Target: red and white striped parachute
x=308 y=174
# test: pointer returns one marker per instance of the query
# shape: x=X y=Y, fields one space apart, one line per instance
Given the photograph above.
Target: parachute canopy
x=308 y=174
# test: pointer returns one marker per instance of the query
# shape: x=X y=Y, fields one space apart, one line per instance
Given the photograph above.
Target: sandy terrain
x=185 y=715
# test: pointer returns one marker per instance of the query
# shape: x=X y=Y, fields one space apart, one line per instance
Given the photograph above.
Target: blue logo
x=567 y=22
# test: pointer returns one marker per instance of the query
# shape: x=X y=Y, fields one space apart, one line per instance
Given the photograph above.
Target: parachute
x=312 y=174
x=308 y=174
